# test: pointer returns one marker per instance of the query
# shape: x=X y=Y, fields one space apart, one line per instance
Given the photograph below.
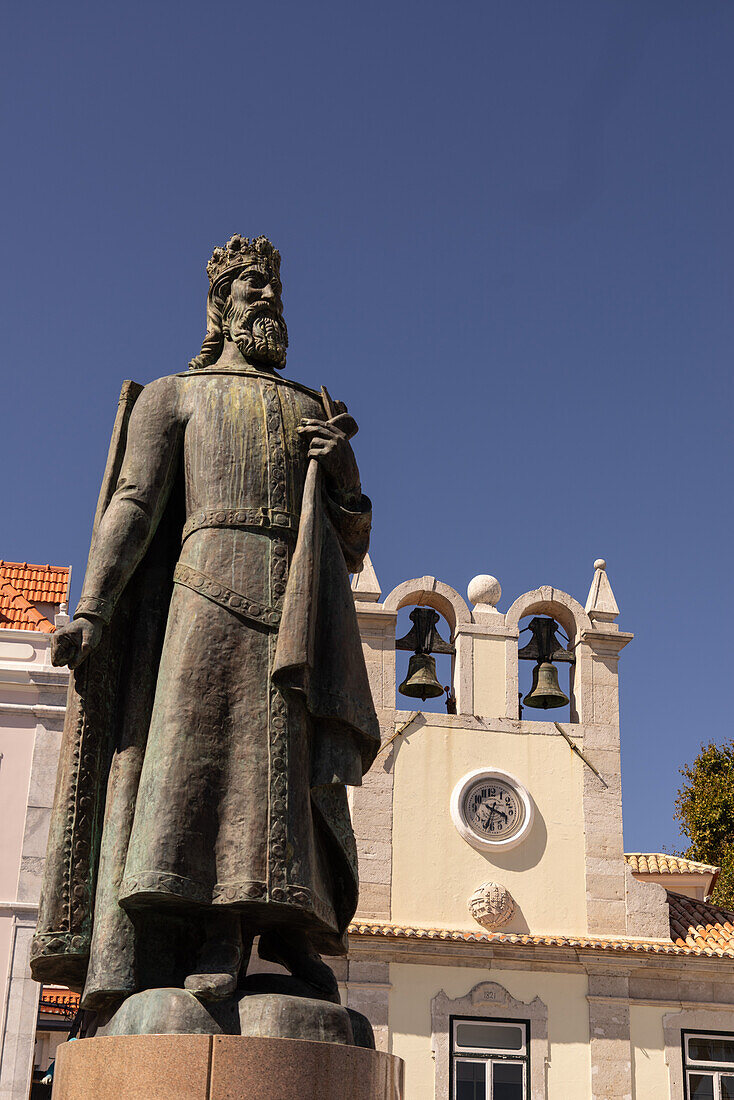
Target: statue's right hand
x=72 y=644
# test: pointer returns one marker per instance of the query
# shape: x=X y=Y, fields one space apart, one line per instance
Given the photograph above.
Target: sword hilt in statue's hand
x=328 y=445
x=337 y=415
x=346 y=423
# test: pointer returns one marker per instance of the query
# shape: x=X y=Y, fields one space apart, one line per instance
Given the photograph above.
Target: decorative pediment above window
x=487 y=1001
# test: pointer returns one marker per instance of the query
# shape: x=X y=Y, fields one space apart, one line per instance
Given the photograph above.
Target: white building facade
x=32 y=703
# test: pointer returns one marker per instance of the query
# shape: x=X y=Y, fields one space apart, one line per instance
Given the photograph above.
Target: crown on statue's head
x=240 y=252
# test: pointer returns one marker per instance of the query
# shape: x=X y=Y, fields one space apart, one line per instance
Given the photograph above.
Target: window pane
x=489 y=1036
x=471 y=1080
x=507 y=1081
x=710 y=1048
x=727 y=1088
x=701 y=1086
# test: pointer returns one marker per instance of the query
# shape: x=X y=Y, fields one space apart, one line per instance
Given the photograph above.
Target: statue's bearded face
x=254 y=316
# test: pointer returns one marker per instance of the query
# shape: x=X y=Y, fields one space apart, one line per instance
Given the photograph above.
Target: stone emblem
x=491 y=905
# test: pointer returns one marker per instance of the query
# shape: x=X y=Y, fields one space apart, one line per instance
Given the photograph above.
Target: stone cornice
x=601 y=641
x=22 y=675
x=24 y=910
x=375 y=614
x=442 y=948
x=12 y=634
x=487 y=725
x=487 y=628
x=37 y=710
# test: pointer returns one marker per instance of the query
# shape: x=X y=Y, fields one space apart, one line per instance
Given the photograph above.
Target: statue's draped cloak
x=317 y=668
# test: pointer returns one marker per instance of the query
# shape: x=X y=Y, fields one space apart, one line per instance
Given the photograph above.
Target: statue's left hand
x=329 y=445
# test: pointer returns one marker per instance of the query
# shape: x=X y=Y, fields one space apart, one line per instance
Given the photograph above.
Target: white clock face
x=493 y=809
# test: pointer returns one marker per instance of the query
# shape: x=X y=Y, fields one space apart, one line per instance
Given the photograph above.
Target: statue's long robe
x=208 y=742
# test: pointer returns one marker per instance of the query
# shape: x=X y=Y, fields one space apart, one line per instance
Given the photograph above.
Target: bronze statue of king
x=219 y=701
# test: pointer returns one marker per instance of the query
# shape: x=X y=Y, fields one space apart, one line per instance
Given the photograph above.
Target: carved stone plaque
x=491 y=905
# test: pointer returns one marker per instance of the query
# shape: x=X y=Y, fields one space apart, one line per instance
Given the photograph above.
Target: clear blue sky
x=506 y=232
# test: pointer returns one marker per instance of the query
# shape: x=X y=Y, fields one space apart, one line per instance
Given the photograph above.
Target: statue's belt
x=226 y=597
x=274 y=518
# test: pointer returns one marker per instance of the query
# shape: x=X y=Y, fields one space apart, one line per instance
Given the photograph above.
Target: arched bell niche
x=550 y=603
x=542 y=638
x=427 y=592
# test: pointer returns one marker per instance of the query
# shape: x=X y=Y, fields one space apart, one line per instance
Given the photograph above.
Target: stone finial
x=61 y=618
x=601 y=605
x=484 y=592
x=491 y=905
x=365 y=585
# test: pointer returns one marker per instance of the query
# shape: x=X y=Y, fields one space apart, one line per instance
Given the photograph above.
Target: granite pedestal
x=222 y=1067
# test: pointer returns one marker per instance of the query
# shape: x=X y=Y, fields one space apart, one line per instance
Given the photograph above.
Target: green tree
x=705 y=810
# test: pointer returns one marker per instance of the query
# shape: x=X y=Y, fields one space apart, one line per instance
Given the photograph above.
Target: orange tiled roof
x=660 y=863
x=696 y=928
x=18 y=613
x=22 y=585
x=38 y=583
x=56 y=1001
x=699 y=924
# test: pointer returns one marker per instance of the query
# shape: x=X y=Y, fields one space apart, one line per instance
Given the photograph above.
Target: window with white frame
x=708 y=1065
x=489 y=1059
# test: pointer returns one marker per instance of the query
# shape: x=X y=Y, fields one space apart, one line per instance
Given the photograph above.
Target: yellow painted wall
x=435 y=870
x=489 y=676
x=651 y=1077
x=414 y=986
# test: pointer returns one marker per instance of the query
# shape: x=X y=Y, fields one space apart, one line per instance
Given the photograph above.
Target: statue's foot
x=293 y=951
x=220 y=958
x=211 y=987
x=216 y=973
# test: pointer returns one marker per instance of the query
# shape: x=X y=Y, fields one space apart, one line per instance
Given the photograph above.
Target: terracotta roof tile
x=18 y=613
x=699 y=924
x=38 y=583
x=696 y=928
x=56 y=1001
x=660 y=863
x=22 y=585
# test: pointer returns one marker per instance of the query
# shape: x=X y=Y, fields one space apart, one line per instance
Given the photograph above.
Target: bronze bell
x=545 y=692
x=421 y=681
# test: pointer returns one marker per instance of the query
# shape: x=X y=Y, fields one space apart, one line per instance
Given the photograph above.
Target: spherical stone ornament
x=491 y=905
x=600 y=564
x=484 y=592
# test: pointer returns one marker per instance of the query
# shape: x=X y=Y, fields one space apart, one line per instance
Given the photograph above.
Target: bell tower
x=497 y=792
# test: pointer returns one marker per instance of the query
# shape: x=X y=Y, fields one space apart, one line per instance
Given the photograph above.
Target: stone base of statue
x=222 y=1067
x=164 y=1044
